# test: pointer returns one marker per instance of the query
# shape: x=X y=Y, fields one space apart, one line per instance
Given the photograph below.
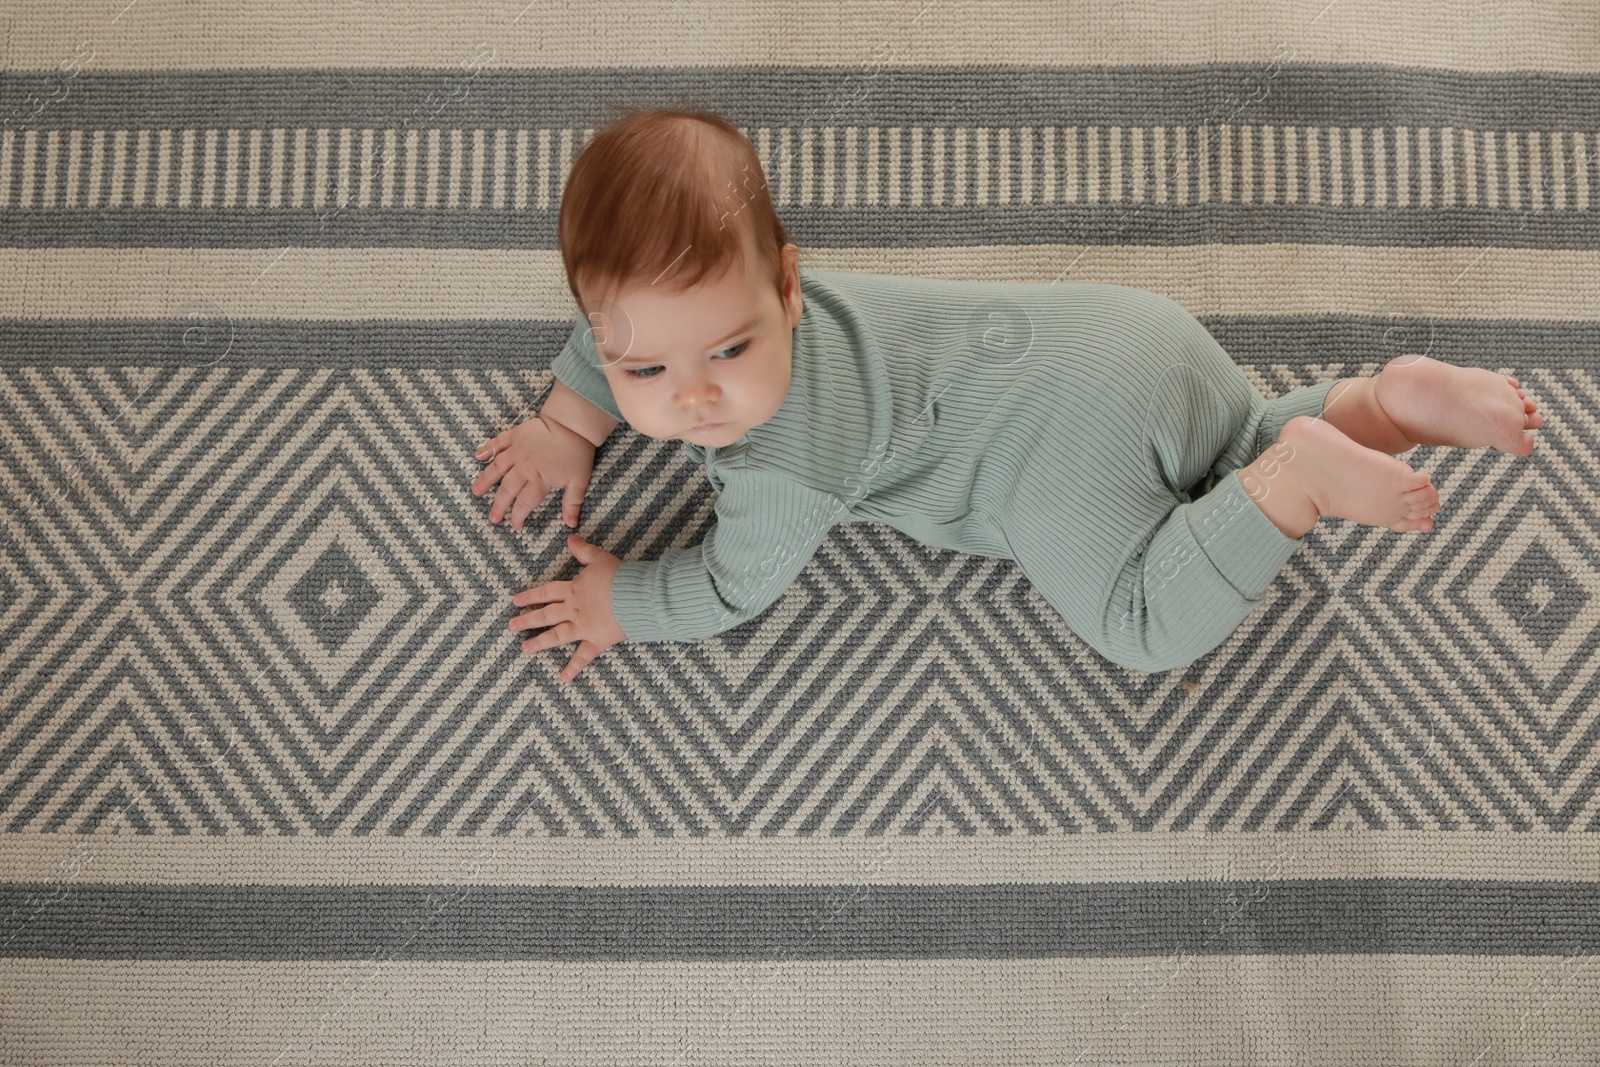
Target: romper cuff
x=635 y=588
x=1245 y=546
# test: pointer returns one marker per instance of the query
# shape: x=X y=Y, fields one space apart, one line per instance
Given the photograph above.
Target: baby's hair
x=665 y=196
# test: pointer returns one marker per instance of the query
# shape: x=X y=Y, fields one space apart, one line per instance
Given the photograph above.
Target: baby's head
x=688 y=279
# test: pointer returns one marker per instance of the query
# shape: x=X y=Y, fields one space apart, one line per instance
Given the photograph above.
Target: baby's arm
x=556 y=447
x=578 y=414
x=767 y=529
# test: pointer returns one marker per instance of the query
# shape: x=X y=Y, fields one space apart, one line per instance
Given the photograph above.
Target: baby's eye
x=737 y=350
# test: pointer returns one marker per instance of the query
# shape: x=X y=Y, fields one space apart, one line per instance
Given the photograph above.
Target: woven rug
x=277 y=785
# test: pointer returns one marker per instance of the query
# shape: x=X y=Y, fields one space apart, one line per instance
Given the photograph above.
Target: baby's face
x=717 y=353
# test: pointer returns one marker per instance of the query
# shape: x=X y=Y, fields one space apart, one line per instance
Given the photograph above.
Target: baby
x=1096 y=434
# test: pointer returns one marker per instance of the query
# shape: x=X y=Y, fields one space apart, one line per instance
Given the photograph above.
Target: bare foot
x=1314 y=459
x=1436 y=403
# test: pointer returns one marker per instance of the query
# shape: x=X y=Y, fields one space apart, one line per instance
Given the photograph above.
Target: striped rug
x=278 y=787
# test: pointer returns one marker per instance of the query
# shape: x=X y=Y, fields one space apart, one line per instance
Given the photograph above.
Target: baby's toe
x=1418 y=504
x=1417 y=481
x=1421 y=507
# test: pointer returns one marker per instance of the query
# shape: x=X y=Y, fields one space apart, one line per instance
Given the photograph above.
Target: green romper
x=1085 y=430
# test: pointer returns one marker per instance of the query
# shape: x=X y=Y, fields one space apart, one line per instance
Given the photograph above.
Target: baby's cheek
x=641 y=417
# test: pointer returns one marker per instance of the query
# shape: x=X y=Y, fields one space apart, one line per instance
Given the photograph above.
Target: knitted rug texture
x=278 y=786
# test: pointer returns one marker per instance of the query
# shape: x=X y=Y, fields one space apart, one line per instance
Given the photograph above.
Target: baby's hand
x=579 y=610
x=529 y=460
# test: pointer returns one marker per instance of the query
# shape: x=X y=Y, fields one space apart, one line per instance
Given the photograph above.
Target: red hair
x=666 y=192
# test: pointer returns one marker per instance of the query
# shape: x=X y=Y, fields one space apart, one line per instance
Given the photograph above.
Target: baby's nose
x=696 y=395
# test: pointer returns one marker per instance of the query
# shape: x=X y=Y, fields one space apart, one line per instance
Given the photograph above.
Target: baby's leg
x=1179 y=591
x=1352 y=406
x=1153 y=566
x=1416 y=400
x=1151 y=580
x=1152 y=576
x=1314 y=471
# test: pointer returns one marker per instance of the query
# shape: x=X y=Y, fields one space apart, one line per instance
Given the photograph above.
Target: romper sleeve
x=578 y=368
x=767 y=529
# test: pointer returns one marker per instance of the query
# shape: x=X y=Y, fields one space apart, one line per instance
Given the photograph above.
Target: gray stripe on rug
x=494 y=922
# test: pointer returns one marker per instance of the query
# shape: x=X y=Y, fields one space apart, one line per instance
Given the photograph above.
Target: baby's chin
x=727 y=433
x=719 y=435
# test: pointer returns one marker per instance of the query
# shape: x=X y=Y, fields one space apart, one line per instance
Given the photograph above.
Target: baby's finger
x=550 y=638
x=580 y=659
x=490 y=474
x=528 y=501
x=535 y=618
x=510 y=486
x=541 y=594
x=572 y=502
